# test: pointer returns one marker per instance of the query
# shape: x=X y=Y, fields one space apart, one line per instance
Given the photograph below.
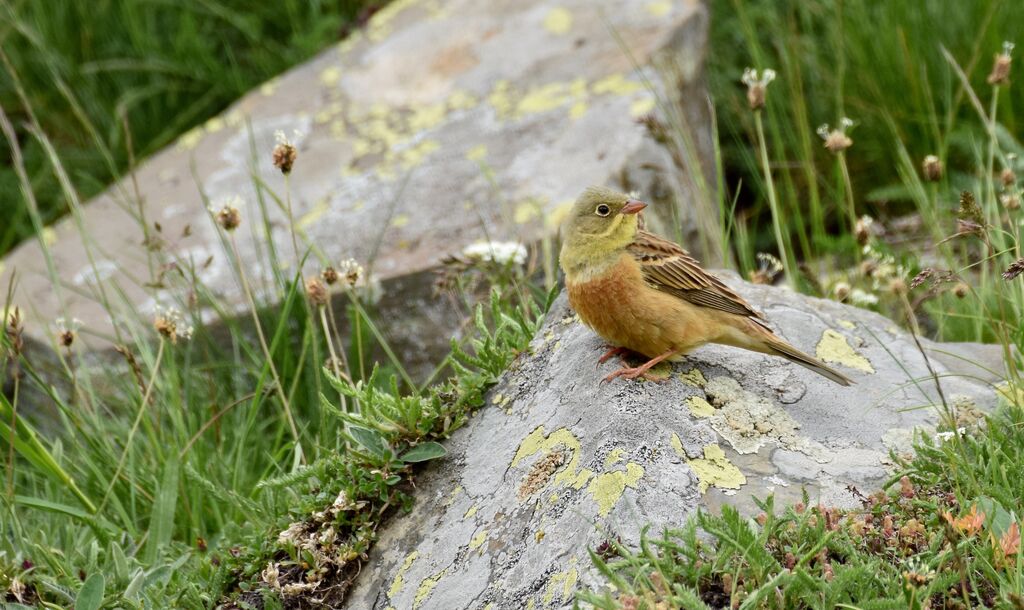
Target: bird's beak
x=633 y=206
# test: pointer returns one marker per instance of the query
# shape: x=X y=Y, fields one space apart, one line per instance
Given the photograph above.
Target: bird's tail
x=779 y=347
x=755 y=336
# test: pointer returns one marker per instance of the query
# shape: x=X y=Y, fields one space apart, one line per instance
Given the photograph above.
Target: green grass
x=113 y=81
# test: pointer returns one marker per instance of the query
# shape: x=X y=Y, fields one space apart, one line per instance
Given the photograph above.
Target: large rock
x=558 y=462
x=442 y=123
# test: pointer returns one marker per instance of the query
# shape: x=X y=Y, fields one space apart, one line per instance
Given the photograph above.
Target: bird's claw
x=633 y=373
x=611 y=353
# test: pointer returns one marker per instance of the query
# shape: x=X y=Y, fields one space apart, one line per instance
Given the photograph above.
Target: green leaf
x=371 y=440
x=423 y=452
x=161 y=524
x=90 y=596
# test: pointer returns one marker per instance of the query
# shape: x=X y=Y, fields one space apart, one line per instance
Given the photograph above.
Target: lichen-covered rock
x=443 y=122
x=558 y=462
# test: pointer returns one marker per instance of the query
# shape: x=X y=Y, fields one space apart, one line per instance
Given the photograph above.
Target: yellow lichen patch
x=526 y=211
x=538 y=536
x=553 y=498
x=400 y=220
x=214 y=125
x=608 y=487
x=558 y=20
x=582 y=478
x=477 y=153
x=544 y=98
x=848 y=325
x=693 y=377
x=834 y=348
x=614 y=457
x=615 y=84
x=659 y=8
x=641 y=107
x=699 y=407
x=476 y=541
x=268 y=88
x=309 y=218
x=330 y=76
x=399 y=581
x=536 y=442
x=461 y=100
x=451 y=497
x=426 y=588
x=411 y=157
x=578 y=110
x=561 y=584
x=469 y=513
x=677 y=445
x=190 y=139
x=501 y=98
x=427 y=117
x=380 y=24
x=716 y=469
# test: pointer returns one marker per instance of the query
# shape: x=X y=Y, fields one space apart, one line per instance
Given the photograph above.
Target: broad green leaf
x=423 y=452
x=371 y=440
x=90 y=596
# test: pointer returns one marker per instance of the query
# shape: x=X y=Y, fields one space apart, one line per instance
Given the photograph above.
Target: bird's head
x=601 y=223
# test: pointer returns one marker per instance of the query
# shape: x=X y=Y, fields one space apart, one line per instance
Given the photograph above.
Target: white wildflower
x=499 y=252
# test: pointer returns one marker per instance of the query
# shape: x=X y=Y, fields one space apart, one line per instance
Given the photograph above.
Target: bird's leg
x=612 y=352
x=642 y=370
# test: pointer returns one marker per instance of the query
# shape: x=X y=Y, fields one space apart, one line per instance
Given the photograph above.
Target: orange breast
x=624 y=311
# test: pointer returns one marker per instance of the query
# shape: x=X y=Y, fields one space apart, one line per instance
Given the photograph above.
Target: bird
x=645 y=294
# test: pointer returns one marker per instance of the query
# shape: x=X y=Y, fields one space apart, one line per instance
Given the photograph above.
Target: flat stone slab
x=442 y=123
x=558 y=463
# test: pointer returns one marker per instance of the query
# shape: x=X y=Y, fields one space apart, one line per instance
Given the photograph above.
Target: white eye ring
x=603 y=210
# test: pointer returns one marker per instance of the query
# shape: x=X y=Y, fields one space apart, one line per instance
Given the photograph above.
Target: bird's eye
x=603 y=210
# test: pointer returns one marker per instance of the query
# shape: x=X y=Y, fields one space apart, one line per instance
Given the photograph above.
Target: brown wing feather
x=670 y=268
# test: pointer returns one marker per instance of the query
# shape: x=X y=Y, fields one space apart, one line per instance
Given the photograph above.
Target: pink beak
x=633 y=206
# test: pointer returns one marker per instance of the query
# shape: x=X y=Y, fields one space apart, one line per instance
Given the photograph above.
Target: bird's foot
x=634 y=372
x=612 y=352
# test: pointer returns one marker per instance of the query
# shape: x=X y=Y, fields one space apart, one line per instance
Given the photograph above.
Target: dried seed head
x=329 y=275
x=1008 y=177
x=868 y=267
x=284 y=154
x=897 y=286
x=757 y=85
x=351 y=271
x=66 y=332
x=1000 y=74
x=316 y=291
x=1014 y=270
x=769 y=267
x=836 y=139
x=14 y=327
x=922 y=277
x=227 y=214
x=932 y=168
x=961 y=290
x=969 y=209
x=842 y=291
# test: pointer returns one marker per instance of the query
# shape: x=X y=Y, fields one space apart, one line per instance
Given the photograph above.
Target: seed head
x=969 y=209
x=329 y=275
x=227 y=214
x=1010 y=201
x=922 y=277
x=1000 y=74
x=769 y=267
x=350 y=271
x=897 y=286
x=836 y=139
x=170 y=324
x=14 y=328
x=932 y=168
x=1008 y=177
x=66 y=332
x=316 y=291
x=842 y=291
x=284 y=154
x=960 y=290
x=757 y=85
x=1014 y=270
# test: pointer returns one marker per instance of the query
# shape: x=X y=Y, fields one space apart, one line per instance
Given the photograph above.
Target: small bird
x=642 y=293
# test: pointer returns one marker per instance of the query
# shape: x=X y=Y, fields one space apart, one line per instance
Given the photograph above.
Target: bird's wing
x=669 y=268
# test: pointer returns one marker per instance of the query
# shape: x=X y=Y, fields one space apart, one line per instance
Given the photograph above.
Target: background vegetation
x=116 y=80
x=186 y=472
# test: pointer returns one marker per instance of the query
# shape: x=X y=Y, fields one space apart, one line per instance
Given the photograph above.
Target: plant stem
x=335 y=362
x=263 y=341
x=787 y=263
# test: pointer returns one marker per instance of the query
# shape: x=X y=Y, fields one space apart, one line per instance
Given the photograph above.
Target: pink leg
x=612 y=352
x=642 y=370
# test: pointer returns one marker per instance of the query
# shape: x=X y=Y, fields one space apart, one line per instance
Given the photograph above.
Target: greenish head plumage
x=600 y=225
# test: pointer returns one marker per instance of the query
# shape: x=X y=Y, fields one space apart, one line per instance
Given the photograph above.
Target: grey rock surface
x=442 y=123
x=558 y=462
